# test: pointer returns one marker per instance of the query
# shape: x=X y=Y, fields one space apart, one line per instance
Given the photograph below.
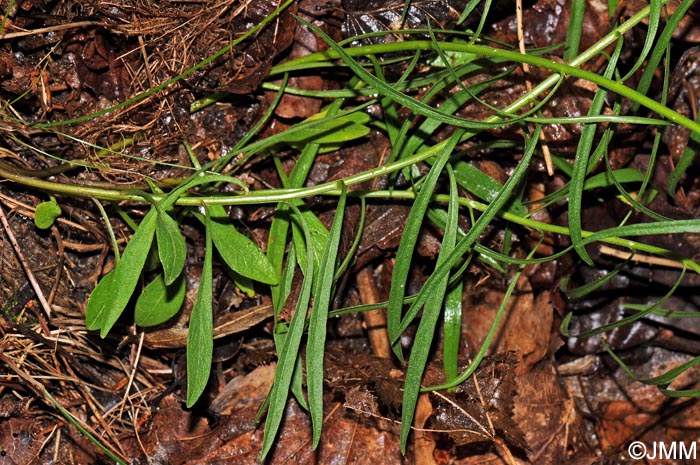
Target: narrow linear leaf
x=646 y=229
x=489 y=336
x=426 y=329
x=297 y=385
x=336 y=134
x=452 y=331
x=286 y=282
x=277 y=241
x=652 y=28
x=582 y=163
x=316 y=239
x=691 y=151
x=452 y=325
x=385 y=89
x=240 y=253
x=408 y=243
x=315 y=348
x=466 y=243
x=307 y=127
x=331 y=130
x=112 y=294
x=659 y=50
x=159 y=302
x=287 y=360
x=662 y=381
x=483 y=186
x=565 y=330
x=630 y=199
x=75 y=422
x=607 y=178
x=200 y=337
x=575 y=29
x=172 y=249
x=276 y=247
x=581 y=291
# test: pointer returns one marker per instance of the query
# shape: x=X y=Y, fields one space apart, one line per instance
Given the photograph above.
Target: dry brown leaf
x=480 y=410
x=175 y=336
x=525 y=329
x=548 y=417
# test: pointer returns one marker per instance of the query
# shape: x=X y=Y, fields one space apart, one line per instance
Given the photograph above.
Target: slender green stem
x=74 y=421
x=331 y=189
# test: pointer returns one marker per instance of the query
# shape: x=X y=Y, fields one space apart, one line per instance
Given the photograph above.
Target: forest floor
x=106 y=106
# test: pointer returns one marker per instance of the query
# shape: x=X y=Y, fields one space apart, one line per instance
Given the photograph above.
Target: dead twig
x=635 y=257
x=375 y=320
x=528 y=85
x=44 y=30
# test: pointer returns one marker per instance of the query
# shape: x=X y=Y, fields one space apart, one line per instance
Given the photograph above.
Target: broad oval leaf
x=46 y=213
x=159 y=302
x=112 y=294
x=240 y=253
x=100 y=298
x=171 y=247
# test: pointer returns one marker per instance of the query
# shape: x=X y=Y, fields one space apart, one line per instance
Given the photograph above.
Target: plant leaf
x=240 y=253
x=483 y=186
x=315 y=348
x=408 y=244
x=316 y=239
x=172 y=250
x=431 y=313
x=200 y=338
x=112 y=294
x=332 y=130
x=582 y=164
x=46 y=213
x=466 y=243
x=452 y=326
x=288 y=356
x=159 y=302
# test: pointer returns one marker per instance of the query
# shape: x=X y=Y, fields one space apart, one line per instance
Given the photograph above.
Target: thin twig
x=528 y=85
x=134 y=369
x=44 y=30
x=635 y=257
x=375 y=320
x=59 y=266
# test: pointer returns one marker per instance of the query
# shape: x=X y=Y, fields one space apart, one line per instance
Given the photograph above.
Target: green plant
x=314 y=249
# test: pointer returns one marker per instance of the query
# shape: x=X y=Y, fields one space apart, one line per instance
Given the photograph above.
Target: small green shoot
x=46 y=214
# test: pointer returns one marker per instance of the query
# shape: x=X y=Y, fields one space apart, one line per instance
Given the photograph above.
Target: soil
x=538 y=397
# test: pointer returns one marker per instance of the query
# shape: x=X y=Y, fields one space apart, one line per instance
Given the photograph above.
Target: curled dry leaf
x=480 y=410
x=175 y=336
